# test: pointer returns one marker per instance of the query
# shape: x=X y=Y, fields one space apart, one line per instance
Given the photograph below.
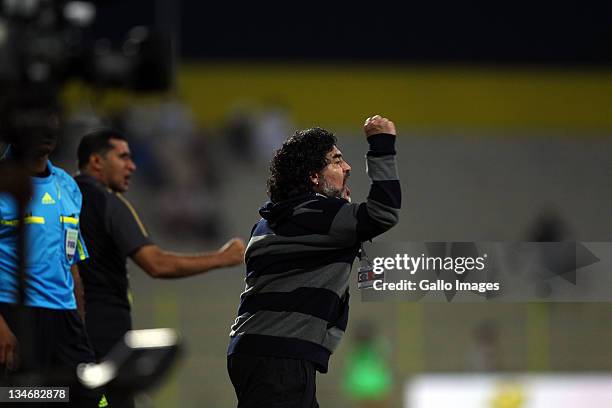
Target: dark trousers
x=51 y=345
x=272 y=382
x=106 y=326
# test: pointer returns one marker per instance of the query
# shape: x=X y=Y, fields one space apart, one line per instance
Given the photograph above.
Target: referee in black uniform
x=113 y=231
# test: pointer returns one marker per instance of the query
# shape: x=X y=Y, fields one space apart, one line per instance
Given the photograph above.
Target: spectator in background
x=114 y=232
x=270 y=129
x=485 y=352
x=238 y=132
x=367 y=376
x=183 y=188
x=549 y=226
x=190 y=204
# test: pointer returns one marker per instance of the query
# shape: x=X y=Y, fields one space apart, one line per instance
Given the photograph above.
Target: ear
x=95 y=161
x=314 y=179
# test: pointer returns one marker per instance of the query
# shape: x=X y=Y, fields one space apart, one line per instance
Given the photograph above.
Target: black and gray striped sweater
x=298 y=263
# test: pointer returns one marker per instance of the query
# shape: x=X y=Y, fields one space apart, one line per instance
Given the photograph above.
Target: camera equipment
x=44 y=43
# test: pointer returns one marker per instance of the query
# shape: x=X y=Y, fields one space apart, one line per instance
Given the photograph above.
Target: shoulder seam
x=134 y=213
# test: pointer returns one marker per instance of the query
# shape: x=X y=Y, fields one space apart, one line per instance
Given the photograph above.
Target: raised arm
x=380 y=212
x=358 y=222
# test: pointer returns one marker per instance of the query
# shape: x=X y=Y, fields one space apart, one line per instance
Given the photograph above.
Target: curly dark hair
x=300 y=156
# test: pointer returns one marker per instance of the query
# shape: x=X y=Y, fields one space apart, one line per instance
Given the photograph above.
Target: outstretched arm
x=167 y=265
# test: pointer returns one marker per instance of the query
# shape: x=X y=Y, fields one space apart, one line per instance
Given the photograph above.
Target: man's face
x=116 y=166
x=35 y=133
x=332 y=180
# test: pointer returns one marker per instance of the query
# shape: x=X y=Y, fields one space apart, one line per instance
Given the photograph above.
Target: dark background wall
x=464 y=32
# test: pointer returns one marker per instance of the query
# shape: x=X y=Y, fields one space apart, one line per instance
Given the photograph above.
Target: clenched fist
x=377 y=124
x=233 y=252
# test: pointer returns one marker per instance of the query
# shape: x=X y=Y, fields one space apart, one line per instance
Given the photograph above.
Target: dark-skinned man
x=46 y=336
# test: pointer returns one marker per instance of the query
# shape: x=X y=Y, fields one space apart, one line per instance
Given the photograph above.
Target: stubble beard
x=330 y=191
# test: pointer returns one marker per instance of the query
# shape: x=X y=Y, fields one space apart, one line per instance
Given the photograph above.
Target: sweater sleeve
x=380 y=212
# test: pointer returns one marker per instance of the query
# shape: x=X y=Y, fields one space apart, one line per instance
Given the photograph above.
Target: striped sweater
x=299 y=260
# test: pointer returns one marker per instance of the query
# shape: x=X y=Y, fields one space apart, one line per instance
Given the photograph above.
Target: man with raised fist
x=294 y=310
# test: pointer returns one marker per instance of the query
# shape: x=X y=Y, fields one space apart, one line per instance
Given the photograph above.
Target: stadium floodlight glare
x=151 y=338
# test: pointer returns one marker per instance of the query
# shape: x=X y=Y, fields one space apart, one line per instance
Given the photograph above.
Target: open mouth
x=346 y=192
